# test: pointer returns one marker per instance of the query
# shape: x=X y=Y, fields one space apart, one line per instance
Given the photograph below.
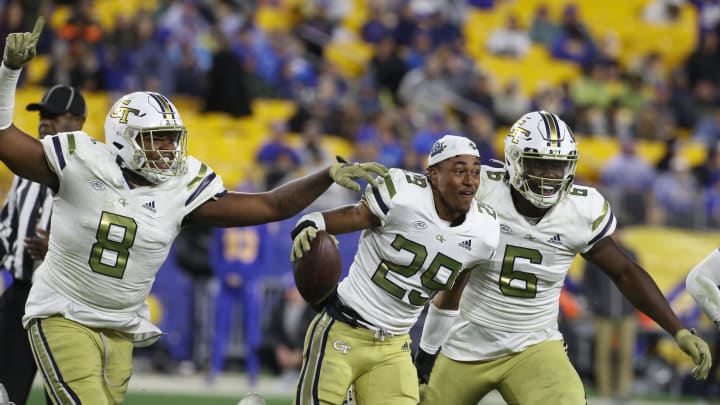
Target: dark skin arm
x=243 y=209
x=450 y=299
x=634 y=282
x=24 y=156
x=350 y=218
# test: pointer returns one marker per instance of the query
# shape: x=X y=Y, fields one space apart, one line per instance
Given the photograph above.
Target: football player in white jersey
x=420 y=233
x=703 y=284
x=506 y=335
x=118 y=206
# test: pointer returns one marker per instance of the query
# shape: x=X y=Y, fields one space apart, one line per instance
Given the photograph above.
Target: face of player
x=161 y=147
x=544 y=176
x=51 y=124
x=456 y=181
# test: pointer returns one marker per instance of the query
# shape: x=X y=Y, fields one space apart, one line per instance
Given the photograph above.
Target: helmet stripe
x=165 y=106
x=551 y=126
x=556 y=124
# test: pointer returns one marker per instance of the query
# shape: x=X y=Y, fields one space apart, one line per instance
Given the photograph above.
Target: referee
x=24 y=223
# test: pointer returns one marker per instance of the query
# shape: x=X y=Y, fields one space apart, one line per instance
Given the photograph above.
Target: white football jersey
x=108 y=240
x=517 y=293
x=403 y=263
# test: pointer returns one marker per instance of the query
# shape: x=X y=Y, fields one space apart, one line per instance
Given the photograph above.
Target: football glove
x=424 y=363
x=304 y=232
x=698 y=350
x=20 y=47
x=344 y=173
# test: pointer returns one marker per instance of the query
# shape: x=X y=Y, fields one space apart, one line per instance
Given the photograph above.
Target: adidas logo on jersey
x=405 y=347
x=150 y=205
x=466 y=244
x=556 y=240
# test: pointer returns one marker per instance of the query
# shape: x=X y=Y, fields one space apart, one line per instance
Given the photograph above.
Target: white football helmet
x=540 y=157
x=135 y=120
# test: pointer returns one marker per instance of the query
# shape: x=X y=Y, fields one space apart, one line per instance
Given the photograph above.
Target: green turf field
x=229 y=388
x=148 y=398
x=141 y=398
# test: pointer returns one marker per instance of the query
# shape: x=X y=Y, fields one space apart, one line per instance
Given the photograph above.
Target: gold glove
x=698 y=350
x=20 y=47
x=344 y=173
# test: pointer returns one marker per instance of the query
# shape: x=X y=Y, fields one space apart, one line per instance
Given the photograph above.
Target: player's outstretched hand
x=344 y=173
x=698 y=350
x=20 y=47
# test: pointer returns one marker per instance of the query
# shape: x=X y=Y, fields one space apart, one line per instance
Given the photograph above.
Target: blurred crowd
x=419 y=83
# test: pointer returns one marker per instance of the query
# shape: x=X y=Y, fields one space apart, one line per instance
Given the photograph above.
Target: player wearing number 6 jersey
x=420 y=234
x=118 y=206
x=506 y=336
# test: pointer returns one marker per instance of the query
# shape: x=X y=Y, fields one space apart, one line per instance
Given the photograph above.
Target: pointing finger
x=39 y=24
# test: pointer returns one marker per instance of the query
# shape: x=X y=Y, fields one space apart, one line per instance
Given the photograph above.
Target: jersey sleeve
x=380 y=199
x=203 y=185
x=599 y=220
x=60 y=149
x=491 y=178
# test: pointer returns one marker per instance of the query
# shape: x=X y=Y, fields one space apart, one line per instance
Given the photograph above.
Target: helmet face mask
x=147 y=132
x=163 y=149
x=540 y=157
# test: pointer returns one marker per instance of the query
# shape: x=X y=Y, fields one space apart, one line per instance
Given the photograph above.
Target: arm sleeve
x=602 y=223
x=206 y=184
x=380 y=199
x=436 y=328
x=59 y=149
x=703 y=285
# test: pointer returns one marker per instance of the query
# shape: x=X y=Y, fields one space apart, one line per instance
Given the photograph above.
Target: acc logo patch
x=420 y=224
x=97 y=185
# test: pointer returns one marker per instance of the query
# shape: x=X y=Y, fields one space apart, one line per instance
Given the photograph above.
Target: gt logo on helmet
x=122 y=112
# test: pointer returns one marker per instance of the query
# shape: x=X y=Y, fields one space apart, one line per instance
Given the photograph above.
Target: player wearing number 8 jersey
x=420 y=234
x=506 y=336
x=118 y=206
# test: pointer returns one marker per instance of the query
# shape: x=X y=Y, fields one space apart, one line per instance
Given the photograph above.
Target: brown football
x=318 y=271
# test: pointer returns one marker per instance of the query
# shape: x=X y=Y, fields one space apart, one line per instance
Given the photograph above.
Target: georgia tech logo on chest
x=341 y=346
x=122 y=112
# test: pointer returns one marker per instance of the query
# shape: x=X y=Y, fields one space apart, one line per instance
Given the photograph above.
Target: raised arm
x=240 y=209
x=21 y=153
x=637 y=285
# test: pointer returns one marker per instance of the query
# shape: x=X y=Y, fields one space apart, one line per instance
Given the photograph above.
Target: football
x=318 y=271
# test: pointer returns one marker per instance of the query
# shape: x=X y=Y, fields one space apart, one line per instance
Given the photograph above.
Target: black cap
x=61 y=99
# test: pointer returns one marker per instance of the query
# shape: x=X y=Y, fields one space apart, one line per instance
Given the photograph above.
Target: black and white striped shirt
x=28 y=205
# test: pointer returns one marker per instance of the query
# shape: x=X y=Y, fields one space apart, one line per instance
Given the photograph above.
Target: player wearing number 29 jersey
x=399 y=267
x=420 y=235
x=122 y=235
x=506 y=336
